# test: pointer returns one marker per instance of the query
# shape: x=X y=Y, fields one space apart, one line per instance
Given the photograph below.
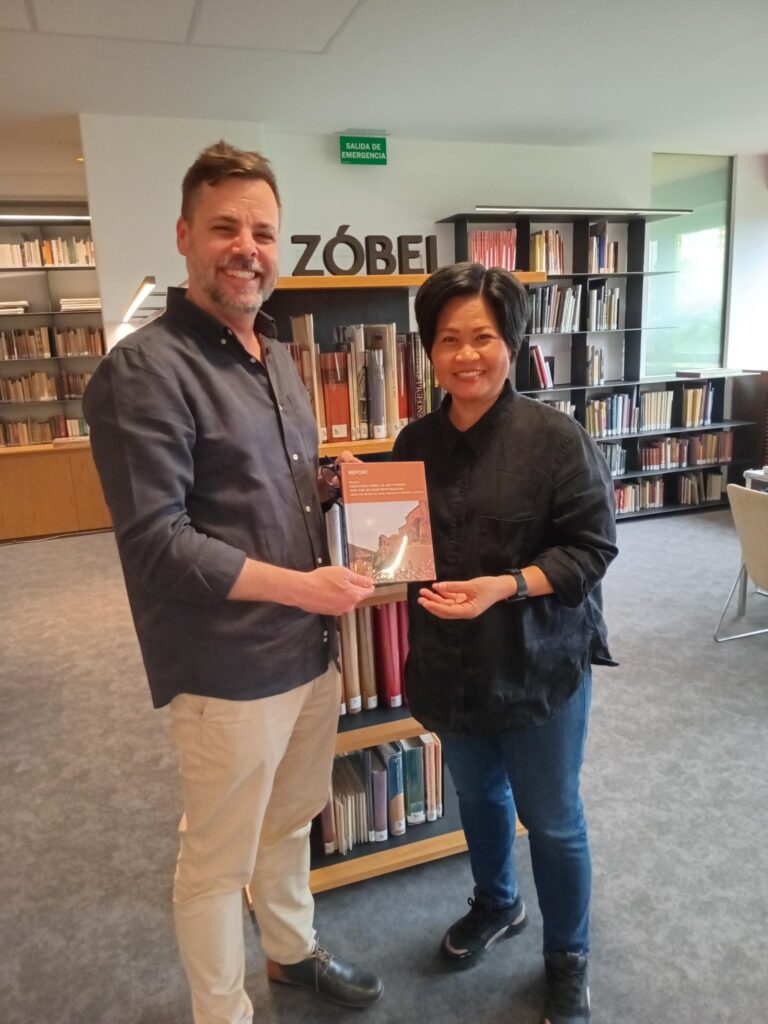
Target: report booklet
x=386 y=515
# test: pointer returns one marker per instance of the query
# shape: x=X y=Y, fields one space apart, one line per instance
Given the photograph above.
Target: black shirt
x=206 y=456
x=525 y=485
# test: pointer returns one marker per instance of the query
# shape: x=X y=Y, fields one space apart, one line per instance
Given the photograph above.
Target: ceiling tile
x=305 y=25
x=165 y=21
x=13 y=14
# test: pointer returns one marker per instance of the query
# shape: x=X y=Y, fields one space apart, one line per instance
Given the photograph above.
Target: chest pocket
x=505 y=542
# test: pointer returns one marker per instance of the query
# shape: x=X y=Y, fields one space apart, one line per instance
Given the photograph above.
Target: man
x=207 y=451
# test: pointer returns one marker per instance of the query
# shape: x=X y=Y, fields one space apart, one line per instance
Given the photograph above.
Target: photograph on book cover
x=386 y=518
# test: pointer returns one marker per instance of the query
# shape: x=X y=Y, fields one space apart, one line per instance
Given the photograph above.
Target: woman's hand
x=464 y=600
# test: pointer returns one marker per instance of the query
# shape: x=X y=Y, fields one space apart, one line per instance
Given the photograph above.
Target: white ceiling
x=662 y=75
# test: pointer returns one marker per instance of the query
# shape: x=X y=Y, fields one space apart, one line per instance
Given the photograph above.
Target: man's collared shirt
x=525 y=485
x=208 y=456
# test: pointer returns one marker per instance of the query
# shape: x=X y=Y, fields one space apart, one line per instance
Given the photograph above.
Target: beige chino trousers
x=253 y=774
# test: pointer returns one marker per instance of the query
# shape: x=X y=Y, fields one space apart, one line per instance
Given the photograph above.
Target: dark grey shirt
x=524 y=486
x=206 y=456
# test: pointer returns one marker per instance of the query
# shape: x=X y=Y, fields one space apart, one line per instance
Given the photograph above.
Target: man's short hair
x=501 y=290
x=222 y=161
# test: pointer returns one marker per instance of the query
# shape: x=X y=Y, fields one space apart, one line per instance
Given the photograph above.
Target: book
x=413 y=780
x=334 y=377
x=387 y=655
x=391 y=755
x=379 y=792
x=366 y=664
x=386 y=516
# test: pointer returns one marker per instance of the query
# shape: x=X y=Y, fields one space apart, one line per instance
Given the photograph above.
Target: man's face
x=230 y=245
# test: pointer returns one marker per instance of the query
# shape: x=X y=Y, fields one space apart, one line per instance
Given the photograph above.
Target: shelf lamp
x=146 y=287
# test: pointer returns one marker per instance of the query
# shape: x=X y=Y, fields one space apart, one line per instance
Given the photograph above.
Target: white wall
x=135 y=167
x=747 y=333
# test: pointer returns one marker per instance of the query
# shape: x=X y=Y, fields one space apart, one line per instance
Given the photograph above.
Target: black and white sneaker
x=567 y=989
x=466 y=941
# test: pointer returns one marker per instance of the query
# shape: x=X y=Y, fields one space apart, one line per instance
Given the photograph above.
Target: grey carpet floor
x=676 y=785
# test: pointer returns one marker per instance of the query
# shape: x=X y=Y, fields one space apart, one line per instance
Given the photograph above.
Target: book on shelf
x=391 y=755
x=413 y=780
x=541 y=375
x=305 y=360
x=603 y=256
x=493 y=248
x=366 y=661
x=386 y=518
x=387 y=655
x=335 y=388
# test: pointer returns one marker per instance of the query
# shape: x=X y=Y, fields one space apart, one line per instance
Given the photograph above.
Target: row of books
x=656 y=410
x=697 y=405
x=42 y=343
x=80 y=304
x=616 y=456
x=381 y=792
x=374 y=646
x=546 y=250
x=13 y=307
x=369 y=385
x=47 y=252
x=602 y=255
x=562 y=406
x=39 y=386
x=493 y=248
x=634 y=497
x=595 y=364
x=542 y=368
x=555 y=310
x=14 y=433
x=615 y=414
x=695 y=450
x=603 y=308
x=696 y=488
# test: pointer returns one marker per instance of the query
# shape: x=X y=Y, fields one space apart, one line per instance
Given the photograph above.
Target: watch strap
x=522 y=586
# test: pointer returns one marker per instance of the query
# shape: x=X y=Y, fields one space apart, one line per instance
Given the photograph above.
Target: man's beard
x=225 y=302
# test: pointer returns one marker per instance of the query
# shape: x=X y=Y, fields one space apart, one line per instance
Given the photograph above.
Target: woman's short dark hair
x=501 y=290
x=222 y=161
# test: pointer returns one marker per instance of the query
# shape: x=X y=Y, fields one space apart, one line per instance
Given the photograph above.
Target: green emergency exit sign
x=362 y=149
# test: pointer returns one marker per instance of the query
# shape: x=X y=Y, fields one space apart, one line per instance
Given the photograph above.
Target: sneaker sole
x=463 y=962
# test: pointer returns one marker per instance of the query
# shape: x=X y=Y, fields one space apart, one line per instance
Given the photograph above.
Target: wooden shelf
x=372 y=447
x=369 y=728
x=369 y=865
x=311 y=283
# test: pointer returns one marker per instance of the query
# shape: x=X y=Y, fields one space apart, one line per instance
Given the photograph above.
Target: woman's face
x=469 y=355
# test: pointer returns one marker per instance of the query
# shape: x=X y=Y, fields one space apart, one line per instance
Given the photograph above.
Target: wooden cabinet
x=49 y=490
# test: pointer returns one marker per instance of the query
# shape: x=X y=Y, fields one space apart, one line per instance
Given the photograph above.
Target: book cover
x=388 y=532
x=334 y=376
x=380 y=807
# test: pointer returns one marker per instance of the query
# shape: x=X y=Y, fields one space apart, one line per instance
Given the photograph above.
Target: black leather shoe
x=336 y=979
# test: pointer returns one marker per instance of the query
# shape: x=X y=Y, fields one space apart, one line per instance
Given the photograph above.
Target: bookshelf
x=51 y=340
x=370 y=299
x=598 y=372
x=46 y=355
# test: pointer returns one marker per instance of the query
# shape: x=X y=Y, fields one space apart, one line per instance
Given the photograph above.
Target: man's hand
x=328 y=481
x=464 y=600
x=332 y=590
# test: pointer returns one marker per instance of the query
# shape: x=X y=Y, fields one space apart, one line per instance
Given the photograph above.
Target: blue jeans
x=533 y=772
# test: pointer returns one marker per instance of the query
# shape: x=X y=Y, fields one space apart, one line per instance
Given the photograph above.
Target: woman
x=501 y=648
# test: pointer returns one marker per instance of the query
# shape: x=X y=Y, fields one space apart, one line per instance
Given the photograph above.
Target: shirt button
x=307 y=508
x=325 y=634
x=223 y=341
x=295 y=457
x=252 y=359
x=279 y=407
x=319 y=561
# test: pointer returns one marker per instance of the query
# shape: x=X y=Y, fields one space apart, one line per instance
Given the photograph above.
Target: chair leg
x=741 y=583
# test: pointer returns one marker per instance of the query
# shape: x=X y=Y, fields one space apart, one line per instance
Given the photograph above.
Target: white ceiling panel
x=165 y=21
x=302 y=25
x=13 y=14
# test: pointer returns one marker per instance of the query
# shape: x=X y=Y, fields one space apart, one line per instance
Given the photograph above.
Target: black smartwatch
x=522 y=586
